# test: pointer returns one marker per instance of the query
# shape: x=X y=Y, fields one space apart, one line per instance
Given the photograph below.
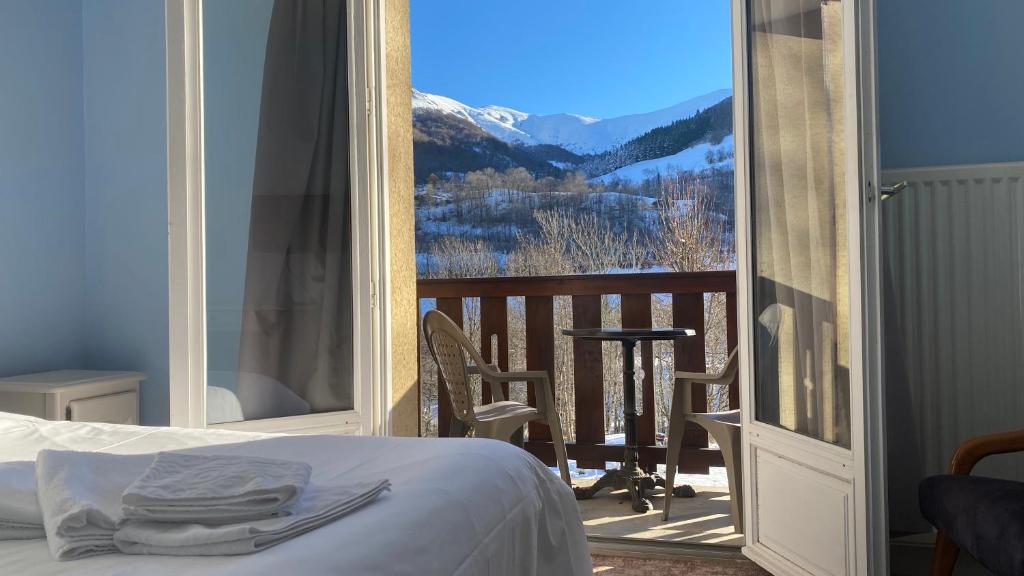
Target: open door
x=805 y=246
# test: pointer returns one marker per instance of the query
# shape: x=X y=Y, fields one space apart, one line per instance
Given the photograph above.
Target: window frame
x=186 y=243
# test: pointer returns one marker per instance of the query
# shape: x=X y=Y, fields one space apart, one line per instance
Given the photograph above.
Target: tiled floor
x=703 y=519
x=673 y=566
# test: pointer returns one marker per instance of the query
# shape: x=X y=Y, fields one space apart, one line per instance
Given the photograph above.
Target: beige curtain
x=799 y=220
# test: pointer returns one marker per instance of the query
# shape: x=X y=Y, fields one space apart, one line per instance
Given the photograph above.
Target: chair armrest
x=696 y=376
x=528 y=376
x=972 y=451
x=702 y=377
x=497 y=394
x=544 y=392
x=472 y=369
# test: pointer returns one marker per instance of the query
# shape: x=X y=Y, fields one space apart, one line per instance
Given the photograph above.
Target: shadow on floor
x=703 y=519
x=676 y=566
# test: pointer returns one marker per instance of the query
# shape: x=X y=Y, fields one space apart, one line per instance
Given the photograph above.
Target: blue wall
x=951 y=81
x=125 y=149
x=83 y=190
x=41 y=204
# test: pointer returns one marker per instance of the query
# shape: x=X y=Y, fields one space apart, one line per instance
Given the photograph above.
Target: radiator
x=953 y=280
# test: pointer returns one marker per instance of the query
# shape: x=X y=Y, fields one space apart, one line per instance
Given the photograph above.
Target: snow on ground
x=693 y=158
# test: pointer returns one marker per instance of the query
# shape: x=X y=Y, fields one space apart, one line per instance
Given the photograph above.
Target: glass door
x=800 y=262
x=281 y=239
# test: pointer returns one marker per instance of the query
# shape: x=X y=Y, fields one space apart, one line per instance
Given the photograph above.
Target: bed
x=457 y=507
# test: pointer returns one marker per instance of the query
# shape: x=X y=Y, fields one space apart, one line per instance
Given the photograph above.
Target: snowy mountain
x=579 y=134
x=496 y=120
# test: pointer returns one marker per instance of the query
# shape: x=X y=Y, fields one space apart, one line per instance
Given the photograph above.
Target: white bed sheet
x=462 y=507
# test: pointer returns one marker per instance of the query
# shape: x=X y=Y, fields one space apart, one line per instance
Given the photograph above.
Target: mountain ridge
x=576 y=133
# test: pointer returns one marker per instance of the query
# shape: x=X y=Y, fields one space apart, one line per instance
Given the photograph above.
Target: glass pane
x=801 y=289
x=277 y=203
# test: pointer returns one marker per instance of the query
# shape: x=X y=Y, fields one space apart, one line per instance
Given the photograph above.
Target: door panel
x=793 y=498
x=800 y=228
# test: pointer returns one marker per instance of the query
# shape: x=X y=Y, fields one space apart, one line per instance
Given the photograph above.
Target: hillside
x=707 y=126
x=577 y=133
x=445 y=143
x=451 y=137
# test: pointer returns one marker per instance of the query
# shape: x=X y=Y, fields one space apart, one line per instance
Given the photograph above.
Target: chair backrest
x=449 y=345
x=732 y=367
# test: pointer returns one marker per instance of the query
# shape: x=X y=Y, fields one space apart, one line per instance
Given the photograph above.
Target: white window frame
x=186 y=248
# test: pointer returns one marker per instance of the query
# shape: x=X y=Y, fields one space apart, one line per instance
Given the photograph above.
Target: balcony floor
x=703 y=519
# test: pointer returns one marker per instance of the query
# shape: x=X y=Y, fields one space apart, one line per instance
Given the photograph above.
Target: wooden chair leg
x=676 y=429
x=945 y=555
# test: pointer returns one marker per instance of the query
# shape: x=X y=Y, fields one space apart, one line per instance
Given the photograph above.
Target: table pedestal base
x=637 y=482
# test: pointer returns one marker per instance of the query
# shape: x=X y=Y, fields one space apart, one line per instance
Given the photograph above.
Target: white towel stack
x=20 y=518
x=214 y=489
x=319 y=506
x=80 y=497
x=176 y=504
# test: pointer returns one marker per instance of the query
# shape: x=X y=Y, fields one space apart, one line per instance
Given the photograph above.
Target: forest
x=489 y=223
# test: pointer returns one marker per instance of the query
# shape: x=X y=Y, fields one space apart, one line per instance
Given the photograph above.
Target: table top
x=57 y=379
x=629 y=334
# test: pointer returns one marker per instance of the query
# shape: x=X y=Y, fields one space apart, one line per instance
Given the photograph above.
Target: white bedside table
x=77 y=395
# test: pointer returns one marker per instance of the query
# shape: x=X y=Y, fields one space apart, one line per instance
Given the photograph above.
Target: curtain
x=799 y=223
x=296 y=335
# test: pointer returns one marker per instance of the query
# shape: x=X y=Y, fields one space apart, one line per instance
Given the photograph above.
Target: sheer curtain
x=801 y=292
x=296 y=336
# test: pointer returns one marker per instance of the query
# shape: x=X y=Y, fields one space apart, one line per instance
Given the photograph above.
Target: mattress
x=457 y=507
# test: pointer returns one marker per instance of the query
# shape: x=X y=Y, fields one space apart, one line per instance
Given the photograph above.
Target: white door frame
x=873 y=401
x=370 y=263
x=858 y=472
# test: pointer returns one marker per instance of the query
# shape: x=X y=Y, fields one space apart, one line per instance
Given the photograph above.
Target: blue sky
x=600 y=58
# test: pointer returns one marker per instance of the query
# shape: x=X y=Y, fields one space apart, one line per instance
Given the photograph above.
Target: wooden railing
x=688 y=291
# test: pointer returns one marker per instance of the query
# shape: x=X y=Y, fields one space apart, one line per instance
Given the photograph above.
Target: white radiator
x=953 y=253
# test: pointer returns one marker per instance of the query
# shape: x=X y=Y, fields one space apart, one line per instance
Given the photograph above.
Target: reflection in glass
x=801 y=289
x=277 y=203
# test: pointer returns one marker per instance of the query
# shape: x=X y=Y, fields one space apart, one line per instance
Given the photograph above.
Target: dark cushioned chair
x=984 y=516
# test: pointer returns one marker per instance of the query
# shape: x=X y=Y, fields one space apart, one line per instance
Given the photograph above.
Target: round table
x=630 y=476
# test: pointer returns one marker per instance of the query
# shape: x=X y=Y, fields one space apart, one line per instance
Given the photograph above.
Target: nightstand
x=76 y=395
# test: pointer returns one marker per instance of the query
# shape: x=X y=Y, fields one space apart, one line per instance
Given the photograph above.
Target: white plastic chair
x=501 y=419
x=724 y=427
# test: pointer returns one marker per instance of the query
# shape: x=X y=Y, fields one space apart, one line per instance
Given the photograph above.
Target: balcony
x=517 y=323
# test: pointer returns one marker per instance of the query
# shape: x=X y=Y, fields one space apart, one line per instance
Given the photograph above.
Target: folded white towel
x=20 y=517
x=318 y=506
x=80 y=497
x=217 y=489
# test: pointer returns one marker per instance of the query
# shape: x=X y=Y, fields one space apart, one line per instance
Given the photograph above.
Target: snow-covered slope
x=693 y=158
x=580 y=134
x=587 y=135
x=498 y=121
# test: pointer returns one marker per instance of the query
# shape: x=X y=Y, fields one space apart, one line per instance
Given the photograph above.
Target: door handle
x=888 y=191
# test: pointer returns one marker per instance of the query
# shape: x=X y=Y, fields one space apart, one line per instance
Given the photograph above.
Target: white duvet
x=457 y=507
